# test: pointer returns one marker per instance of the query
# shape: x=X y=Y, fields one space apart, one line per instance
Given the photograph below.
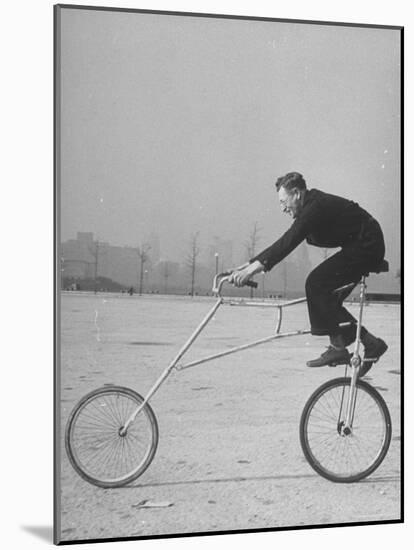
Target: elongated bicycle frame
x=219 y=280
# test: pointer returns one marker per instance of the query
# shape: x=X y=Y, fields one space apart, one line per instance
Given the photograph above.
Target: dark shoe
x=374 y=349
x=332 y=356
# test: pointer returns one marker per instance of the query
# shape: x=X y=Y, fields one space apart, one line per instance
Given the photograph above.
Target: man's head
x=291 y=190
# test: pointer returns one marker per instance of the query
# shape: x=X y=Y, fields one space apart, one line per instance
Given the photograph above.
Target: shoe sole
x=333 y=364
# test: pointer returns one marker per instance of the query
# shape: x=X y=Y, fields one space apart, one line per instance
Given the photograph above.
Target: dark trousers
x=325 y=307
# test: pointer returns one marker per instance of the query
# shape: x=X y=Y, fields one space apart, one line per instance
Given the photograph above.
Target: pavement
x=229 y=456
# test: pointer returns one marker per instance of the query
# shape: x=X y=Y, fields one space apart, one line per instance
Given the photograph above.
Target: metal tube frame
x=355 y=360
x=219 y=280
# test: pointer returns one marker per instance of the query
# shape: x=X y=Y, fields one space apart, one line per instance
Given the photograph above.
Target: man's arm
x=292 y=238
x=275 y=253
x=303 y=226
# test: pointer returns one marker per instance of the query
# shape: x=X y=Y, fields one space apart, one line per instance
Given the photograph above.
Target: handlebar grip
x=252 y=284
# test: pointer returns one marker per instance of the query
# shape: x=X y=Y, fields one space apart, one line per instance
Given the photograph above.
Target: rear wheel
x=334 y=451
x=98 y=448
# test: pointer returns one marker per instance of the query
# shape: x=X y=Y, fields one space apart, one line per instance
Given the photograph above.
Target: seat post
x=362 y=293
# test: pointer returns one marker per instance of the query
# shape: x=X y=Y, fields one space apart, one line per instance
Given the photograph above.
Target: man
x=326 y=221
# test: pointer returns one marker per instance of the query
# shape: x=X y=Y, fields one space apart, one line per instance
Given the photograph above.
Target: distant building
x=86 y=258
x=77 y=257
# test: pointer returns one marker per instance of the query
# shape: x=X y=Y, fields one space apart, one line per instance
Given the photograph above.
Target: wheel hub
x=343 y=430
x=122 y=432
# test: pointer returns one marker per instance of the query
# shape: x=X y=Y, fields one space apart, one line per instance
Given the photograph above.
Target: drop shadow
x=43 y=532
x=311 y=477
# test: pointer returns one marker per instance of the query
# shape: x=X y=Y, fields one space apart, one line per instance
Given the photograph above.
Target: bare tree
x=191 y=260
x=251 y=245
x=143 y=257
x=253 y=240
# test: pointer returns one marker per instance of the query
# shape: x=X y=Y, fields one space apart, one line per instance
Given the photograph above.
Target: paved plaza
x=229 y=456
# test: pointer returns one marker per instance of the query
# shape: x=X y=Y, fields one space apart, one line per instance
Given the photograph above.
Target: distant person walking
x=326 y=221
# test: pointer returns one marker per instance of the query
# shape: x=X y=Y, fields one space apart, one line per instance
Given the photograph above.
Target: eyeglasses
x=286 y=202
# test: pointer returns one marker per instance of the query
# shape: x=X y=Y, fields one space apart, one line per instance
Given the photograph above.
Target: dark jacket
x=327 y=221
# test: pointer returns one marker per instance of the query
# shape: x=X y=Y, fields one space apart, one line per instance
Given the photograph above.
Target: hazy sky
x=181 y=124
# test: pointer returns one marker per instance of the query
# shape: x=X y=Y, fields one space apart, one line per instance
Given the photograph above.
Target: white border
x=27 y=231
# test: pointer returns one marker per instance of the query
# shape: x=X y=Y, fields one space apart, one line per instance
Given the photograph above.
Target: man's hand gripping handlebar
x=227 y=276
x=242 y=274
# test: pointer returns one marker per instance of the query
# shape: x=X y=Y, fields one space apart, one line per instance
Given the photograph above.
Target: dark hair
x=292 y=180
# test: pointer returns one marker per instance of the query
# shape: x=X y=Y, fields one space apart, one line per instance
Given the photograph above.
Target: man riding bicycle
x=327 y=221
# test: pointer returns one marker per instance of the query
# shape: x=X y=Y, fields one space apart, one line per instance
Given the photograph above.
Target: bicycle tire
x=93 y=431
x=346 y=445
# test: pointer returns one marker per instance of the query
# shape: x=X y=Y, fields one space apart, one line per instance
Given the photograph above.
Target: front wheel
x=337 y=453
x=98 y=447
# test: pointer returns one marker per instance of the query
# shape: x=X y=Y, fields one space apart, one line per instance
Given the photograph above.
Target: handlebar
x=221 y=278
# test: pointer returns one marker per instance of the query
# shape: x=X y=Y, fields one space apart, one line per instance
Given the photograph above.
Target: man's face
x=290 y=202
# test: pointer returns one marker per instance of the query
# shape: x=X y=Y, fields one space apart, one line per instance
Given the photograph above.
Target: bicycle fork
x=345 y=426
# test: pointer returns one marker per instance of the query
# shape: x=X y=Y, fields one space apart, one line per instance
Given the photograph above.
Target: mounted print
x=228 y=274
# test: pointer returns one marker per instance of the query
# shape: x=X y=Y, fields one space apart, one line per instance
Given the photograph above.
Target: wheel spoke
x=329 y=450
x=95 y=445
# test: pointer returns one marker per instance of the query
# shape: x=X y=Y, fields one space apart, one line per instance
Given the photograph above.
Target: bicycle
x=112 y=434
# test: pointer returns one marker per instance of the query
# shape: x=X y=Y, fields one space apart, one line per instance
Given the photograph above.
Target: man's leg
x=347 y=322
x=374 y=347
x=327 y=313
x=325 y=307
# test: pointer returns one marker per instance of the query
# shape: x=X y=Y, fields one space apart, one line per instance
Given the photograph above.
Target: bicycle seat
x=383 y=267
